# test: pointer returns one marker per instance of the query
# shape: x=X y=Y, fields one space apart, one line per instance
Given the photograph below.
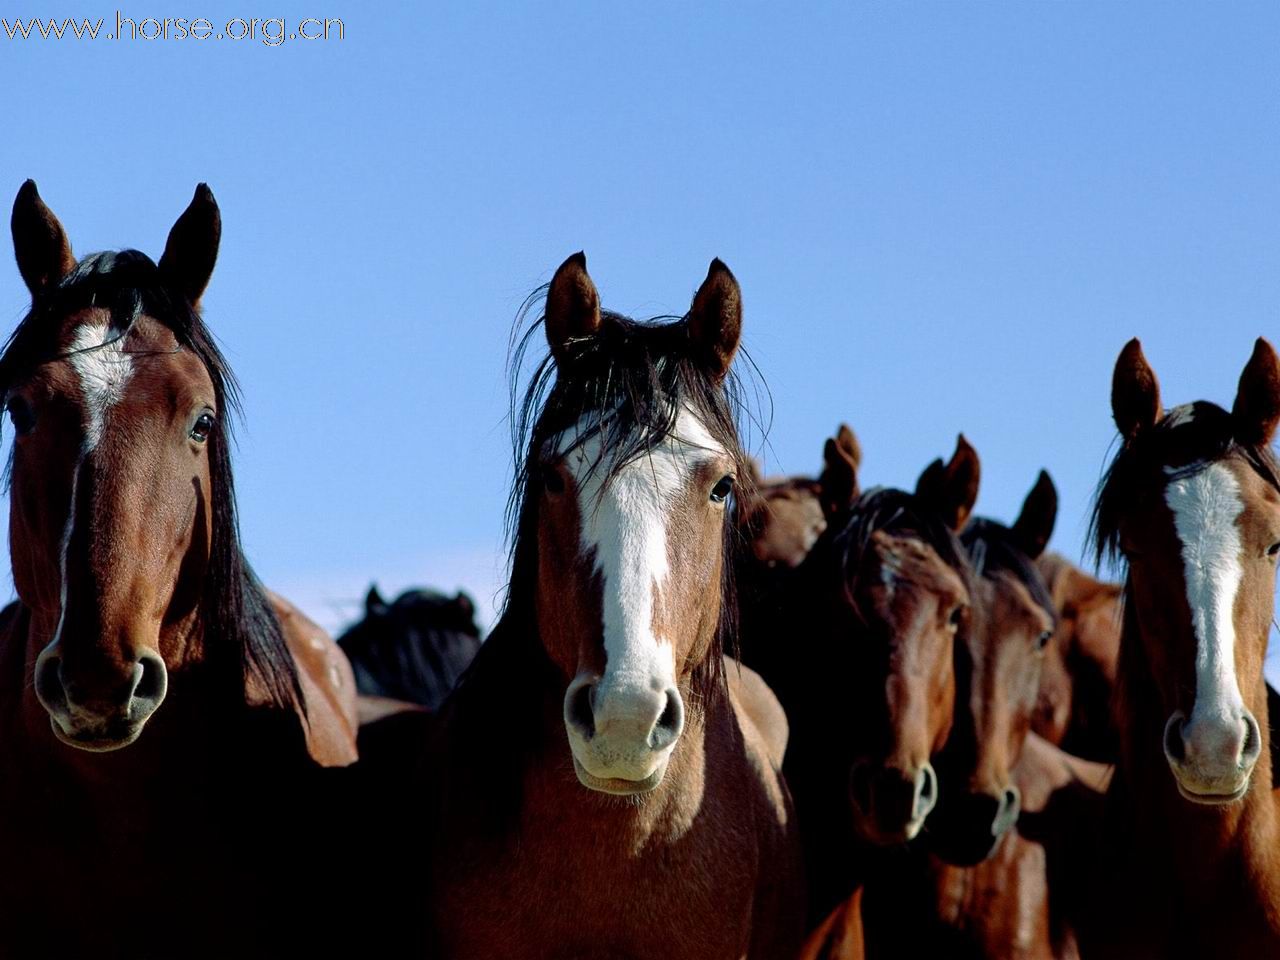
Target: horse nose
x=622 y=731
x=1217 y=743
x=1007 y=811
x=132 y=697
x=896 y=801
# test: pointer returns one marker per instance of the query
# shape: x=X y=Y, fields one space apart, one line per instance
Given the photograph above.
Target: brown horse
x=787 y=515
x=159 y=707
x=1190 y=862
x=611 y=784
x=1079 y=673
x=861 y=654
x=974 y=887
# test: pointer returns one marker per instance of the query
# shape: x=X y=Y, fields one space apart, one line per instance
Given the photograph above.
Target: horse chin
x=880 y=837
x=1215 y=797
x=617 y=786
x=100 y=740
x=964 y=851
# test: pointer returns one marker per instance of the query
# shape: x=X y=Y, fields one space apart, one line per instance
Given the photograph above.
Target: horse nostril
x=579 y=713
x=1174 y=744
x=670 y=723
x=151 y=682
x=1252 y=745
x=926 y=790
x=49 y=689
x=1010 y=807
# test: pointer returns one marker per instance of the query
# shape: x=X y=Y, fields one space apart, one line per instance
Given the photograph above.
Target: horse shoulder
x=328 y=686
x=760 y=715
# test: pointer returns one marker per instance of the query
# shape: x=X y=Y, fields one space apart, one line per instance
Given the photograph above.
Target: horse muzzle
x=107 y=714
x=1212 y=758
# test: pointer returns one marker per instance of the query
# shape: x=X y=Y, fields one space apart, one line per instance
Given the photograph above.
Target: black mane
x=234 y=609
x=629 y=383
x=894 y=511
x=1185 y=439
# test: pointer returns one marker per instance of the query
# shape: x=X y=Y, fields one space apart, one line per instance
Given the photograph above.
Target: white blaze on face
x=1206 y=506
x=624 y=527
x=97 y=355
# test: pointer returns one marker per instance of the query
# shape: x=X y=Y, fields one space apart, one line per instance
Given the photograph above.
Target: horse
x=164 y=716
x=860 y=651
x=972 y=885
x=610 y=785
x=1189 y=860
x=1079 y=672
x=413 y=648
x=787 y=515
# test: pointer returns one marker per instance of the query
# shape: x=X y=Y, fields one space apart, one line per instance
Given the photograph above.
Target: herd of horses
x=720 y=716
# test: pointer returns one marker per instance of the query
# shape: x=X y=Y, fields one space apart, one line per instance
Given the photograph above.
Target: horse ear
x=465 y=605
x=573 y=308
x=1034 y=525
x=952 y=489
x=192 y=248
x=715 y=321
x=841 y=457
x=1256 y=411
x=373 y=602
x=40 y=244
x=1135 y=392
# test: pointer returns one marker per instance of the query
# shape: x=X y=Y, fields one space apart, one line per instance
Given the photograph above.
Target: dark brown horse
x=1079 y=672
x=973 y=886
x=787 y=515
x=161 y=712
x=860 y=650
x=1189 y=865
x=611 y=784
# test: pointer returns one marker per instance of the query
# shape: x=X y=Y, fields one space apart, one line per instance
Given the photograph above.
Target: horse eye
x=957 y=615
x=1042 y=641
x=21 y=415
x=1273 y=551
x=720 y=492
x=552 y=482
x=202 y=428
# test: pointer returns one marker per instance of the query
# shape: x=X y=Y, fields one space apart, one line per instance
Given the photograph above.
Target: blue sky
x=945 y=216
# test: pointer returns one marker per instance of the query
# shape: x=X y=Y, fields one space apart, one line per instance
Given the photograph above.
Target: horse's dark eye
x=957 y=615
x=720 y=492
x=21 y=415
x=1273 y=551
x=202 y=428
x=1042 y=641
x=552 y=482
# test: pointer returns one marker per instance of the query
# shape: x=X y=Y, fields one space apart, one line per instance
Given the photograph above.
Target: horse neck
x=1203 y=845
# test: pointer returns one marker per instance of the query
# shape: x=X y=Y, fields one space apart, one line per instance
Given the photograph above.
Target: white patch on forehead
x=1182 y=415
x=97 y=355
x=624 y=527
x=1206 y=506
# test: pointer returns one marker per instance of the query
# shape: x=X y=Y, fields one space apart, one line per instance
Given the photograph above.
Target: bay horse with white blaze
x=611 y=784
x=1192 y=503
x=163 y=716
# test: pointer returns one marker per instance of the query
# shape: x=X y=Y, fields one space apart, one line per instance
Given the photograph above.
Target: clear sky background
x=945 y=216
